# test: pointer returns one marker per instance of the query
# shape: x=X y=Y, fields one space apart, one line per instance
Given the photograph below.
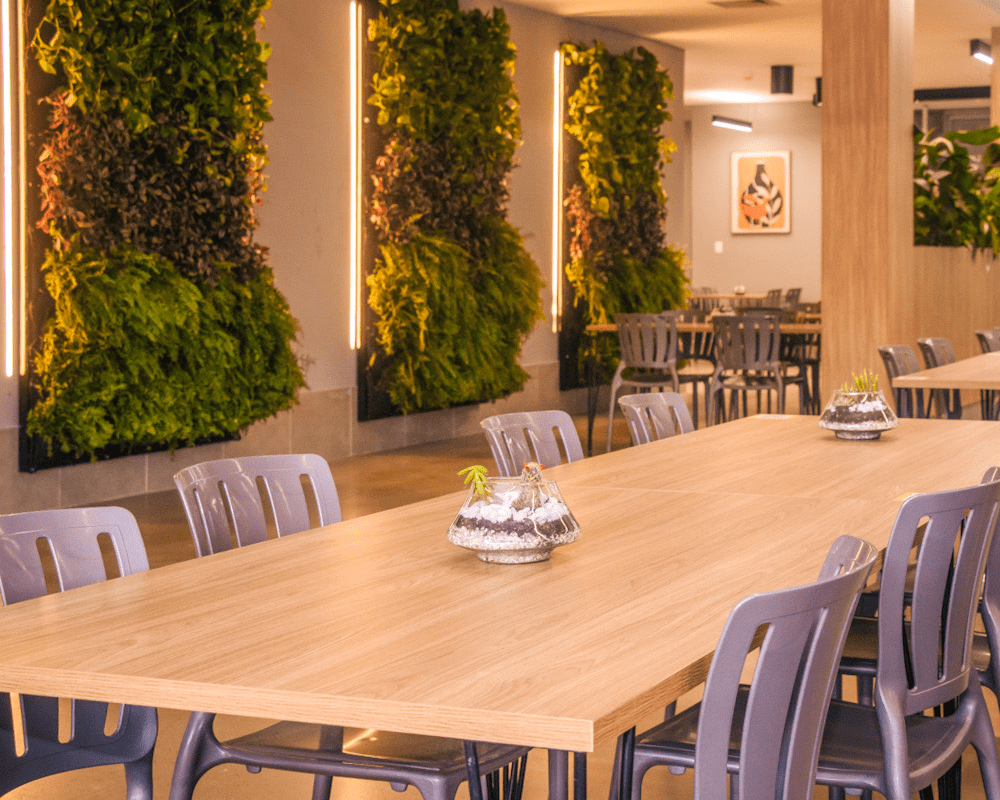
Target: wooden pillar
x=867 y=184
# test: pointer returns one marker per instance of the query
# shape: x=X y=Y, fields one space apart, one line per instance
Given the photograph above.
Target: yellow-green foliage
x=137 y=355
x=451 y=328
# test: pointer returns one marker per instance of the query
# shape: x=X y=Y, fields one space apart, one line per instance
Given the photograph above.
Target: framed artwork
x=761 y=191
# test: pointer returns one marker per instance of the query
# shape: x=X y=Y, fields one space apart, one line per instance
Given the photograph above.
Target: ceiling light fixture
x=981 y=50
x=732 y=124
x=781 y=79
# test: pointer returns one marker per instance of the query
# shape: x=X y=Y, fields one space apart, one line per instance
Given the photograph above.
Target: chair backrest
x=936 y=351
x=747 y=342
x=648 y=341
x=531 y=436
x=773 y=298
x=791 y=301
x=792 y=682
x=989 y=341
x=899 y=359
x=81 y=547
x=924 y=638
x=655 y=415
x=233 y=502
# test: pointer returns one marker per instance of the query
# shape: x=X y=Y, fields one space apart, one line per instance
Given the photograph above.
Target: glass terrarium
x=858 y=415
x=514 y=520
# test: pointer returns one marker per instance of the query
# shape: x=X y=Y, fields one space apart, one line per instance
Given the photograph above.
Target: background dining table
x=380 y=622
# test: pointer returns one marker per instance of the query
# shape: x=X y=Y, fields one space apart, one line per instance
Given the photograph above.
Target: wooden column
x=867 y=249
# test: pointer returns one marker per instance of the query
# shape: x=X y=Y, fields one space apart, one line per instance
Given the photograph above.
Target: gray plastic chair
x=232 y=502
x=937 y=351
x=548 y=437
x=899 y=359
x=989 y=402
x=212 y=491
x=765 y=734
x=655 y=415
x=747 y=351
x=648 y=344
x=922 y=643
x=986 y=644
x=75 y=539
x=695 y=358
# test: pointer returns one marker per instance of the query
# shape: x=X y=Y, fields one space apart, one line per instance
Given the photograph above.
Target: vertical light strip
x=9 y=201
x=355 y=260
x=22 y=181
x=557 y=182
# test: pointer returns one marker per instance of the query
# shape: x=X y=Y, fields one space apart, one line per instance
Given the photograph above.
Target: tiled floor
x=365 y=484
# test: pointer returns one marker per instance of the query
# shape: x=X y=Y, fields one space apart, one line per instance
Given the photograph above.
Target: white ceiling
x=730 y=45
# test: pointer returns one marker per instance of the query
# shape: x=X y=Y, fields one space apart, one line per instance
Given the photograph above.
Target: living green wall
x=616 y=207
x=165 y=327
x=452 y=293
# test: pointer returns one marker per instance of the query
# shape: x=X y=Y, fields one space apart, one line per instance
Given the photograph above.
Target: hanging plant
x=454 y=292
x=616 y=208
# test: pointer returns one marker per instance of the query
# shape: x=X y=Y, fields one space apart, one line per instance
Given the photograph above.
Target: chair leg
x=139 y=778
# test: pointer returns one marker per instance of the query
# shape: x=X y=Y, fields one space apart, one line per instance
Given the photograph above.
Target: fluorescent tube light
x=732 y=124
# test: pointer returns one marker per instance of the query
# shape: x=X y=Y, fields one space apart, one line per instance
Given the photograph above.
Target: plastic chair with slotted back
x=937 y=352
x=747 y=351
x=241 y=489
x=648 y=344
x=655 y=415
x=696 y=359
x=989 y=401
x=899 y=359
x=548 y=437
x=919 y=651
x=764 y=735
x=232 y=502
x=81 y=543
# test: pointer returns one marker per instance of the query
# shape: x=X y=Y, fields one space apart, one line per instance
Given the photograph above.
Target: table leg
x=472 y=767
x=579 y=776
x=558 y=775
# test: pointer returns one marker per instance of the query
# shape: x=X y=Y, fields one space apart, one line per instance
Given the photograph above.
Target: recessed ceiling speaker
x=781 y=79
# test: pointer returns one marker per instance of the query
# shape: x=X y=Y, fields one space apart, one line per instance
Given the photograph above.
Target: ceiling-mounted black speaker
x=781 y=79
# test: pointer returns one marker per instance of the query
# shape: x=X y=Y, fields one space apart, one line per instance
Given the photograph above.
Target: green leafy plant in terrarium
x=476 y=476
x=867 y=381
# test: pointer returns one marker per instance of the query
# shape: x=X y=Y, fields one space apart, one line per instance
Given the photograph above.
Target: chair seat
x=366 y=749
x=852 y=752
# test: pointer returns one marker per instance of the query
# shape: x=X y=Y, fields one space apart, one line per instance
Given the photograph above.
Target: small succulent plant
x=867 y=381
x=476 y=477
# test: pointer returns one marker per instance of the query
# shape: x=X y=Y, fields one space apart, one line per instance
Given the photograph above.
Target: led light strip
x=9 y=199
x=557 y=181
x=355 y=237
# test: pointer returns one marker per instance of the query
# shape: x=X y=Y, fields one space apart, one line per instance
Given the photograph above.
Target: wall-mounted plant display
x=166 y=328
x=616 y=206
x=956 y=195
x=453 y=290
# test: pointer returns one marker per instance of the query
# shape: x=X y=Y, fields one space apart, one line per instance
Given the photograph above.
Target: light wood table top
x=978 y=372
x=380 y=622
x=796 y=328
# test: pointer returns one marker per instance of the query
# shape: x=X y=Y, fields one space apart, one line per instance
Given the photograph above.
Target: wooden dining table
x=380 y=622
x=980 y=372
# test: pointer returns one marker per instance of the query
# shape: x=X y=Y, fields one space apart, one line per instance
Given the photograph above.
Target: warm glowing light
x=9 y=201
x=980 y=50
x=557 y=181
x=731 y=124
x=355 y=237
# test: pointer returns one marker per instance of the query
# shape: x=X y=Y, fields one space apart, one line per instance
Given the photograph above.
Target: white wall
x=757 y=261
